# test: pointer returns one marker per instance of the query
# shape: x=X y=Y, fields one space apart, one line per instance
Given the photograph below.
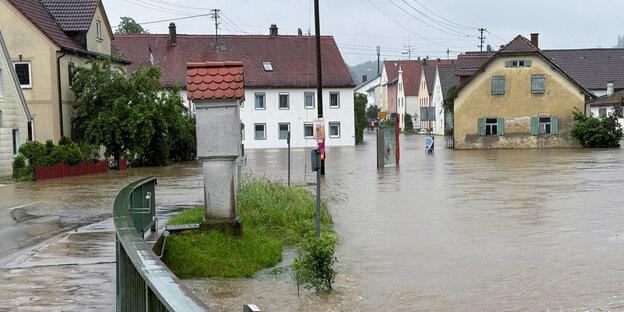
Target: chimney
x=172 y=34
x=273 y=30
x=535 y=39
x=609 y=88
x=364 y=78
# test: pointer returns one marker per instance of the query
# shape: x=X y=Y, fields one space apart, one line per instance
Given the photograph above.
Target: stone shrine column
x=217 y=90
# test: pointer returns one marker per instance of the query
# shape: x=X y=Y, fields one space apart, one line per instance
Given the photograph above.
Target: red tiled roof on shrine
x=214 y=80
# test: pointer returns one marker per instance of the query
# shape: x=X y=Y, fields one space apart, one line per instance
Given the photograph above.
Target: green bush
x=314 y=265
x=33 y=151
x=409 y=124
x=21 y=171
x=33 y=154
x=594 y=132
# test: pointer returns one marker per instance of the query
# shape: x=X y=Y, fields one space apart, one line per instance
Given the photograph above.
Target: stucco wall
x=437 y=101
x=102 y=44
x=516 y=106
x=423 y=100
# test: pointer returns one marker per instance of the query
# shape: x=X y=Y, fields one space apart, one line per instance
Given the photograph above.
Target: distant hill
x=368 y=68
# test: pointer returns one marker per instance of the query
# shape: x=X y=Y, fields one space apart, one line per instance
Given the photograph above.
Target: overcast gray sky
x=430 y=27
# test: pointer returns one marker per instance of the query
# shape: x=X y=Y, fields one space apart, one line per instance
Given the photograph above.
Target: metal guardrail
x=144 y=283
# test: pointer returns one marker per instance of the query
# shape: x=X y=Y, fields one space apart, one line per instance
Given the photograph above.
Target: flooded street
x=511 y=230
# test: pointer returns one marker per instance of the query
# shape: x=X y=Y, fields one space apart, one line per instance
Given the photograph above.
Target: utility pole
x=378 y=53
x=448 y=53
x=408 y=52
x=319 y=75
x=481 y=38
x=215 y=17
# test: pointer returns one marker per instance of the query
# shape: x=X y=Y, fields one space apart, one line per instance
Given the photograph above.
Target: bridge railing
x=144 y=283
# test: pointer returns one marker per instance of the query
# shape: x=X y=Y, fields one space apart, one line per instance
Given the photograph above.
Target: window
x=334 y=129
x=267 y=66
x=334 y=99
x=242 y=131
x=284 y=128
x=70 y=73
x=16 y=142
x=308 y=130
x=98 y=30
x=23 y=74
x=602 y=112
x=308 y=99
x=544 y=125
x=538 y=85
x=518 y=63
x=498 y=85
x=491 y=126
x=259 y=133
x=284 y=101
x=1 y=86
x=259 y=100
x=0 y=119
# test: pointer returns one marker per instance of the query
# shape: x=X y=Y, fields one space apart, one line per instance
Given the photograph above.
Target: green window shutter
x=500 y=126
x=481 y=126
x=498 y=85
x=554 y=125
x=507 y=63
x=527 y=63
x=534 y=126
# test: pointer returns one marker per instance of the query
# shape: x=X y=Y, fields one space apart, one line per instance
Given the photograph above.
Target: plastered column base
x=232 y=226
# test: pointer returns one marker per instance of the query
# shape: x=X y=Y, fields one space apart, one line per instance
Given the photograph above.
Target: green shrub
x=409 y=124
x=314 y=265
x=22 y=171
x=594 y=132
x=33 y=151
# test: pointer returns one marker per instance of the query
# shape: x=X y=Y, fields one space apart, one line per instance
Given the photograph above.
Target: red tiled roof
x=519 y=44
x=37 y=14
x=411 y=73
x=293 y=58
x=72 y=15
x=467 y=64
x=214 y=80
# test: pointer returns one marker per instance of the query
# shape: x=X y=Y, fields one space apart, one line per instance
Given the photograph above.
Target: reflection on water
x=457 y=230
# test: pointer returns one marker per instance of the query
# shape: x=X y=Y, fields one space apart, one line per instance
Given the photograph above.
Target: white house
x=444 y=78
x=14 y=114
x=372 y=89
x=279 y=81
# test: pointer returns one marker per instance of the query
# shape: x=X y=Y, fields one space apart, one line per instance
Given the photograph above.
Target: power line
x=451 y=22
x=158 y=8
x=442 y=24
x=418 y=19
x=170 y=19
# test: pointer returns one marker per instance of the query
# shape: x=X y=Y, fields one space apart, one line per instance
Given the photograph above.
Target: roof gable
x=39 y=16
x=447 y=78
x=293 y=58
x=519 y=44
x=429 y=71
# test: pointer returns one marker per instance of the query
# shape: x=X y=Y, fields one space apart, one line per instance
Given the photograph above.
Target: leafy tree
x=372 y=112
x=129 y=26
x=449 y=103
x=409 y=123
x=596 y=132
x=359 y=111
x=132 y=117
x=620 y=42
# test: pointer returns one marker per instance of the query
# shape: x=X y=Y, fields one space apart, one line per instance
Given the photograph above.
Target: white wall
x=438 y=126
x=13 y=117
x=297 y=115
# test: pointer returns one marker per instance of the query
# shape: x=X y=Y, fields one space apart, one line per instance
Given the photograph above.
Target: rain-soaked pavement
x=495 y=230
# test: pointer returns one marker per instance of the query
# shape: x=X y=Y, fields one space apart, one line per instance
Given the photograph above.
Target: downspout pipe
x=60 y=95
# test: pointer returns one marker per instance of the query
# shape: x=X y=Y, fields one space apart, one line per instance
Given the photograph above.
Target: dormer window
x=267 y=66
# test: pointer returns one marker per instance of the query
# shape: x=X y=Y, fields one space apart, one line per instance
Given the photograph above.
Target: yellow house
x=518 y=99
x=46 y=39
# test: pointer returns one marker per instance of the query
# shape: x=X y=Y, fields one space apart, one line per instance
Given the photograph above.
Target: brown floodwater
x=511 y=230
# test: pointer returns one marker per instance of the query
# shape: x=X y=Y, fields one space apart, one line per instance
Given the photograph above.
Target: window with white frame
x=16 y=142
x=284 y=101
x=308 y=99
x=544 y=125
x=259 y=131
x=308 y=130
x=259 y=100
x=283 y=128
x=602 y=112
x=98 y=30
x=23 y=74
x=334 y=129
x=334 y=99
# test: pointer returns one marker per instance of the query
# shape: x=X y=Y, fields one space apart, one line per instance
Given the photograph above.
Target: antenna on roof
x=215 y=17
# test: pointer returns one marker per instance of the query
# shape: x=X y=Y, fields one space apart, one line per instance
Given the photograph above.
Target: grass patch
x=273 y=215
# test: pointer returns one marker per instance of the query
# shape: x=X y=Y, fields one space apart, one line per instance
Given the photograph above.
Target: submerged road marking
x=25 y=205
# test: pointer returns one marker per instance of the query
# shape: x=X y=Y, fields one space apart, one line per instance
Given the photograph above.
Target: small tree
x=372 y=112
x=596 y=132
x=409 y=123
x=314 y=265
x=359 y=111
x=129 y=26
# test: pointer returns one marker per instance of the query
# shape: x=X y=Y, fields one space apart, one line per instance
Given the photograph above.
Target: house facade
x=603 y=106
x=46 y=40
x=444 y=79
x=371 y=88
x=14 y=114
x=280 y=81
x=518 y=99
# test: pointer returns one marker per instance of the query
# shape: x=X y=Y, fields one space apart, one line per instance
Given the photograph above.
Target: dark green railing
x=144 y=283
